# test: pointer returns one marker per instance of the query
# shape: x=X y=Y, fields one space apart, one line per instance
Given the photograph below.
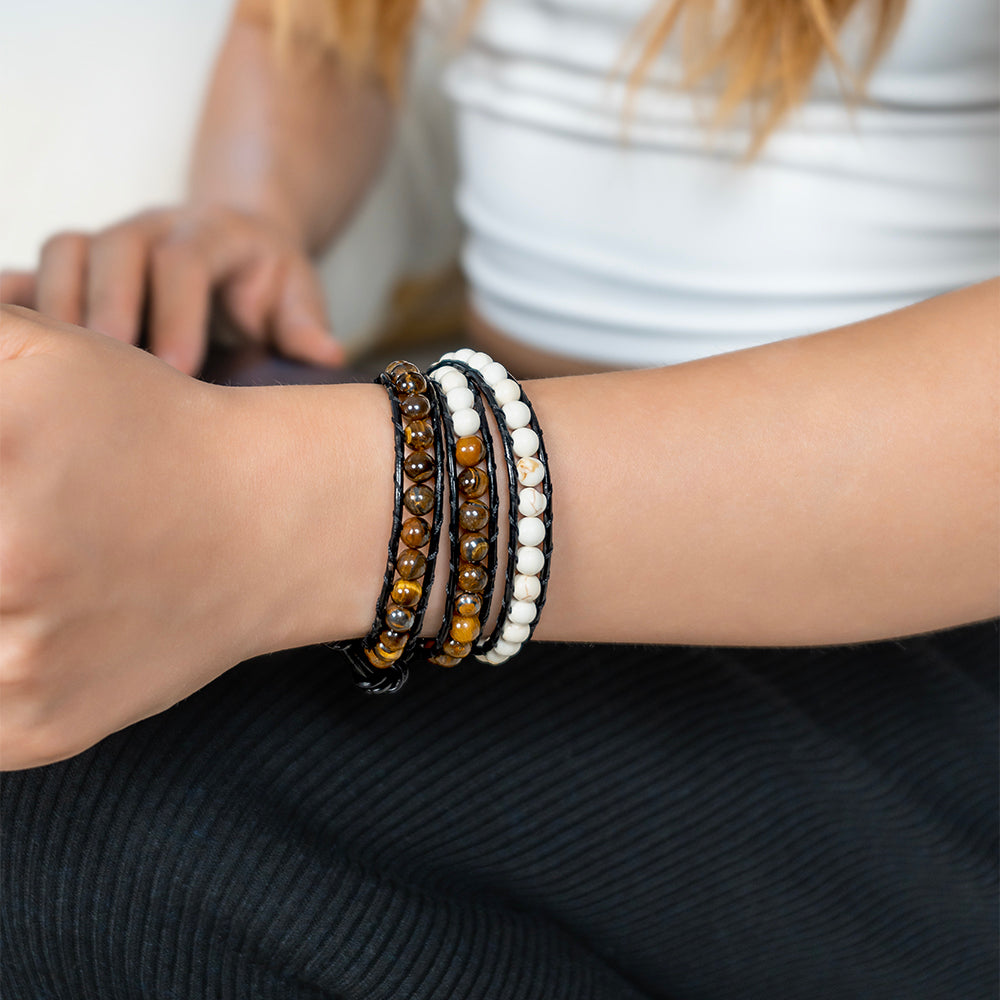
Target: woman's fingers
x=300 y=325
x=61 y=282
x=17 y=288
x=116 y=278
x=180 y=286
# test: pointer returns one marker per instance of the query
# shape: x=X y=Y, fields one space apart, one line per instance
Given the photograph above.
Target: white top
x=655 y=247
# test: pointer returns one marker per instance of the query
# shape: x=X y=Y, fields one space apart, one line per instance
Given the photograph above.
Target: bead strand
x=473 y=554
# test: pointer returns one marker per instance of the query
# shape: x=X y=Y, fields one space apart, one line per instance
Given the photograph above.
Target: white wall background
x=98 y=104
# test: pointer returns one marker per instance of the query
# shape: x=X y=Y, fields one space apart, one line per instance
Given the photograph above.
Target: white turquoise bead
x=514 y=632
x=530 y=531
x=525 y=442
x=479 y=360
x=506 y=391
x=507 y=649
x=516 y=414
x=494 y=657
x=451 y=379
x=527 y=588
x=494 y=372
x=530 y=560
x=531 y=502
x=530 y=471
x=522 y=612
x=465 y=422
x=460 y=399
x=464 y=354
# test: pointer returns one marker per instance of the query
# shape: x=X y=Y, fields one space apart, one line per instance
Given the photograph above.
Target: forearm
x=287 y=133
x=833 y=488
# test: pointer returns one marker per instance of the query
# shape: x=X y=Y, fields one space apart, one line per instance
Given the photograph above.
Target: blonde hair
x=764 y=53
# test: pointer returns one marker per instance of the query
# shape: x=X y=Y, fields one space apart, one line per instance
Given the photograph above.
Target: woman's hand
x=165 y=267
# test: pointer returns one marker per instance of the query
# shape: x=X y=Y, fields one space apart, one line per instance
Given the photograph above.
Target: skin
x=156 y=530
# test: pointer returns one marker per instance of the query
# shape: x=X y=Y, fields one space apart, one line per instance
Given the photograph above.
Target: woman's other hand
x=164 y=270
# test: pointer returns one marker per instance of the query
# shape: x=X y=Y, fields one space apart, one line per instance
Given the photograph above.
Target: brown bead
x=396 y=367
x=408 y=382
x=419 y=466
x=468 y=450
x=473 y=482
x=465 y=629
x=456 y=649
x=406 y=593
x=385 y=653
x=399 y=619
x=472 y=579
x=444 y=661
x=415 y=532
x=473 y=548
x=415 y=407
x=410 y=564
x=472 y=515
x=419 y=434
x=419 y=499
x=376 y=659
x=392 y=639
x=469 y=605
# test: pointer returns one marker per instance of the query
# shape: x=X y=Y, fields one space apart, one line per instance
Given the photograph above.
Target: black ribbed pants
x=585 y=822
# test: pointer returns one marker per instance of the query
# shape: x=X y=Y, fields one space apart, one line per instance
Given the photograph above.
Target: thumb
x=300 y=324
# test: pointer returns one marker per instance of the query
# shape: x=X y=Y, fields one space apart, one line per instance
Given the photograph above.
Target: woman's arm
x=287 y=147
x=833 y=488
x=156 y=530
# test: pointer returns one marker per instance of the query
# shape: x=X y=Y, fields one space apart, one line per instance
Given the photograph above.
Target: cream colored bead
x=522 y=612
x=460 y=399
x=465 y=422
x=495 y=658
x=525 y=442
x=516 y=414
x=531 y=502
x=494 y=372
x=508 y=649
x=530 y=472
x=464 y=354
x=530 y=560
x=530 y=531
x=513 y=632
x=527 y=587
x=506 y=391
x=450 y=379
x=479 y=360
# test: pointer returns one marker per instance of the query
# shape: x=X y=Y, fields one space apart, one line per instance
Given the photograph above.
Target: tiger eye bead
x=408 y=382
x=468 y=451
x=472 y=579
x=472 y=516
x=472 y=482
x=415 y=407
x=419 y=466
x=469 y=605
x=398 y=367
x=464 y=629
x=444 y=661
x=410 y=564
x=377 y=658
x=415 y=532
x=406 y=593
x=419 y=499
x=419 y=434
x=399 y=619
x=473 y=548
x=392 y=639
x=457 y=649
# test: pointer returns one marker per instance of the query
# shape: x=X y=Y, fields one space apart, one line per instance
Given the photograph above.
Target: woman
x=622 y=822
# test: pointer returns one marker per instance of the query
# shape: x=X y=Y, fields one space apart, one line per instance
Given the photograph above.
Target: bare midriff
x=522 y=360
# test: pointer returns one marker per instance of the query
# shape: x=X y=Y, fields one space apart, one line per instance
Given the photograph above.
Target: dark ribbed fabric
x=602 y=822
